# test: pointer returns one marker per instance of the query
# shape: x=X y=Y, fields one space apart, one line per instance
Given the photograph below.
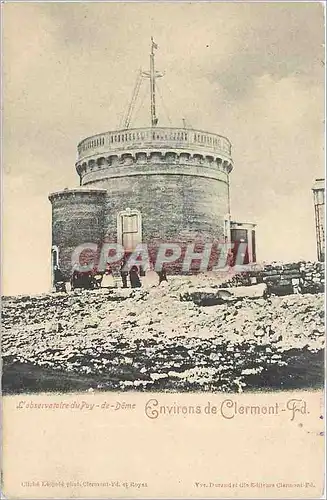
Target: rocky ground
x=150 y=339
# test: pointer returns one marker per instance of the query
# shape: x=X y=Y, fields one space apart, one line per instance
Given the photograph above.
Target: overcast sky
x=251 y=71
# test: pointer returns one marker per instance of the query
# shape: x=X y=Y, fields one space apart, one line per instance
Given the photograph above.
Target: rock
x=91 y=323
x=94 y=333
x=259 y=333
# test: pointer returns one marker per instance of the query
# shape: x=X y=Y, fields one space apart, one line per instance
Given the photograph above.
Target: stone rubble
x=281 y=279
x=150 y=339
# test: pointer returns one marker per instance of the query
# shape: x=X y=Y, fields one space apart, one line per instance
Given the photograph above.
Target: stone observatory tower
x=152 y=184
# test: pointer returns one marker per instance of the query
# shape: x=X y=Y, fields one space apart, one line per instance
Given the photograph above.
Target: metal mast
x=136 y=91
x=154 y=119
x=152 y=75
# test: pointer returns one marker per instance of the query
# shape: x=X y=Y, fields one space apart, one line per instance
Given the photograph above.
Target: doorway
x=129 y=229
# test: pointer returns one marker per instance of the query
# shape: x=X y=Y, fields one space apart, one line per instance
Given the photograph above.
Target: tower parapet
x=176 y=145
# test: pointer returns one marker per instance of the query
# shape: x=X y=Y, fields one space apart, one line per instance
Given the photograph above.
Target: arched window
x=54 y=261
x=54 y=256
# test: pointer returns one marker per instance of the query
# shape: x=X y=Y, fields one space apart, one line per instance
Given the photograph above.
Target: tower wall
x=77 y=217
x=176 y=201
x=174 y=181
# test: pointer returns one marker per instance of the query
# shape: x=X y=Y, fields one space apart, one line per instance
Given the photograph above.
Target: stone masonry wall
x=283 y=279
x=77 y=217
x=173 y=207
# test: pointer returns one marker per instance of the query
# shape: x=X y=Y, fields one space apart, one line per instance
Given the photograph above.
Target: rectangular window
x=129 y=223
x=130 y=227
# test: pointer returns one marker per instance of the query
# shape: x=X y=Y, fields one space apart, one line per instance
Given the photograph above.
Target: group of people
x=91 y=280
x=133 y=274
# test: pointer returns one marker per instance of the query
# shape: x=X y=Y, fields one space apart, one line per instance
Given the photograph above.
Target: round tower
x=77 y=218
x=145 y=185
x=175 y=180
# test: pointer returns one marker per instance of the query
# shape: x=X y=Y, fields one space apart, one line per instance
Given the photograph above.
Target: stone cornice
x=144 y=162
x=73 y=193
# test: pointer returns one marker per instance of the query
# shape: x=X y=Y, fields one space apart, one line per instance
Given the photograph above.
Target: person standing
x=134 y=278
x=162 y=276
x=59 y=280
x=123 y=273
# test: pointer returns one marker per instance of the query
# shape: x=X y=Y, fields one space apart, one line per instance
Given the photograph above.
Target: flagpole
x=154 y=119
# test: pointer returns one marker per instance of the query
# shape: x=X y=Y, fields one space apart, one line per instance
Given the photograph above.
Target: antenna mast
x=152 y=75
x=154 y=119
x=136 y=91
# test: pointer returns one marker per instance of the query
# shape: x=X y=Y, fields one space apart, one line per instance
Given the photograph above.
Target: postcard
x=163 y=256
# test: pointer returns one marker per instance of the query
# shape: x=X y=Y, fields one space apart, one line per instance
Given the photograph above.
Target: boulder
x=210 y=296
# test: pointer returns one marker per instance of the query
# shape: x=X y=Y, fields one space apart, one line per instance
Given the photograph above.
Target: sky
x=253 y=72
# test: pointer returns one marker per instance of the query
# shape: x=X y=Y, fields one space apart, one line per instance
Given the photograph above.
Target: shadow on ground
x=304 y=370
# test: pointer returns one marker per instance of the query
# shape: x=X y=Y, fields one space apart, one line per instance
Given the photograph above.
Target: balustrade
x=159 y=137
